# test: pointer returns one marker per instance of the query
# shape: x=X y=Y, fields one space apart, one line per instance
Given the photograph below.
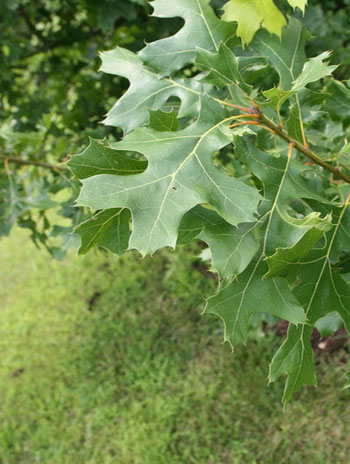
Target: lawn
x=107 y=360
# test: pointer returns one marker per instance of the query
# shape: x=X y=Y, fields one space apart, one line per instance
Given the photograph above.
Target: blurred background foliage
x=52 y=96
x=329 y=24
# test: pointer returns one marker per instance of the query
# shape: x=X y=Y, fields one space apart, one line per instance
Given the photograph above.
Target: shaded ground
x=108 y=361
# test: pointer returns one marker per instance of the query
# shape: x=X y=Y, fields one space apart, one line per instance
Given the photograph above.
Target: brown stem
x=300 y=147
x=238 y=107
x=39 y=164
x=252 y=123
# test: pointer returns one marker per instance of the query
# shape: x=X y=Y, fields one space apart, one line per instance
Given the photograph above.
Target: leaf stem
x=238 y=107
x=242 y=123
x=291 y=146
x=306 y=145
x=252 y=123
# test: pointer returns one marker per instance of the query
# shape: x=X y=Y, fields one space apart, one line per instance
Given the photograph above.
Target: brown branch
x=39 y=164
x=300 y=147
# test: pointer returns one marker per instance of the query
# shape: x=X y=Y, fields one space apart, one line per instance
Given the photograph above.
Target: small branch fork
x=303 y=149
x=260 y=120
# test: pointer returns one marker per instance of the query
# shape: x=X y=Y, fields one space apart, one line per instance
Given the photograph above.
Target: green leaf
x=313 y=70
x=238 y=300
x=194 y=221
x=282 y=180
x=329 y=324
x=222 y=67
x=294 y=123
x=338 y=102
x=179 y=176
x=277 y=97
x=231 y=248
x=202 y=29
x=107 y=229
x=163 y=121
x=147 y=90
x=253 y=14
x=287 y=55
x=99 y=158
x=298 y=4
x=341 y=243
x=320 y=289
x=280 y=261
x=296 y=359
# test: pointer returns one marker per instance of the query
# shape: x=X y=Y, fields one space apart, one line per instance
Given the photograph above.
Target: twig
x=300 y=147
x=11 y=159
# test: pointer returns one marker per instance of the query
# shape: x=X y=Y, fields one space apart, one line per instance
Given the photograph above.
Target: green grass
x=137 y=376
